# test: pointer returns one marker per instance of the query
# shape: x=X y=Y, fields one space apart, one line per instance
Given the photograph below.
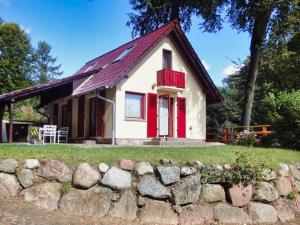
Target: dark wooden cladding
x=56 y=93
x=81 y=103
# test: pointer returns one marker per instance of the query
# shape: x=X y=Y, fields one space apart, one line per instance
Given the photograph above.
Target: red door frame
x=181 y=117
x=170 y=114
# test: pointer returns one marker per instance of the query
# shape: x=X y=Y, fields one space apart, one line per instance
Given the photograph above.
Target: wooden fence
x=229 y=134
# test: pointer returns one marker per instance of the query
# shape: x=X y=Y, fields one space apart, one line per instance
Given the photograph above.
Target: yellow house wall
x=143 y=79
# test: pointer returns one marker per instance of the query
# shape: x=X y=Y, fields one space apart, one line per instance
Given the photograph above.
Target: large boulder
x=213 y=193
x=187 y=190
x=55 y=170
x=297 y=185
x=199 y=165
x=142 y=168
x=284 y=186
x=283 y=173
x=284 y=166
x=268 y=174
x=262 y=213
x=32 y=164
x=285 y=209
x=85 y=176
x=45 y=196
x=117 y=179
x=92 y=202
x=240 y=194
x=158 y=212
x=103 y=168
x=126 y=164
x=150 y=187
x=196 y=214
x=9 y=185
x=187 y=170
x=169 y=174
x=265 y=192
x=126 y=207
x=294 y=172
x=9 y=165
x=224 y=213
x=25 y=177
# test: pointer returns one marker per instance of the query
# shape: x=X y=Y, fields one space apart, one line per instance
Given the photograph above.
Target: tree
x=15 y=58
x=150 y=14
x=45 y=64
x=268 y=22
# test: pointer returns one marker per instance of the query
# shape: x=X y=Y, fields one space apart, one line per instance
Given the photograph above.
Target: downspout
x=113 y=132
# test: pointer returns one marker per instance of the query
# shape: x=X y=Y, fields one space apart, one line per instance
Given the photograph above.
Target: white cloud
x=27 y=30
x=5 y=2
x=206 y=65
x=232 y=69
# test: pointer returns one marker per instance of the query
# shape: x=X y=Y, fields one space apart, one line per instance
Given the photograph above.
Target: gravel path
x=17 y=212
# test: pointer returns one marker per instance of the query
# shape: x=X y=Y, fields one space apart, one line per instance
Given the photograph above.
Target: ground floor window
x=134 y=105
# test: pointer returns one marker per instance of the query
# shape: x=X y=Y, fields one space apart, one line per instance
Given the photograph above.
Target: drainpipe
x=113 y=132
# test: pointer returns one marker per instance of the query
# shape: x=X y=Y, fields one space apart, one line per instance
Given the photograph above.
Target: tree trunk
x=175 y=10
x=257 y=40
x=2 y=108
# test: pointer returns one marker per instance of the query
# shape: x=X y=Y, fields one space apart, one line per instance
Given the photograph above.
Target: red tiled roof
x=103 y=72
x=112 y=73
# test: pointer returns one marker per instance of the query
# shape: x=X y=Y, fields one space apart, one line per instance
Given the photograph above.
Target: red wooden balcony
x=170 y=78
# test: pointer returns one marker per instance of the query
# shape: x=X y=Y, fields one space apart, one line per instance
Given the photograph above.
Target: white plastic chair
x=62 y=135
x=49 y=131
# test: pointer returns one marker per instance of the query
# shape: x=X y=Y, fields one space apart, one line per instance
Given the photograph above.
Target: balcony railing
x=170 y=78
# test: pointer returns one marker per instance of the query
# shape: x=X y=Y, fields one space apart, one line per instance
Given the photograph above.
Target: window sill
x=135 y=119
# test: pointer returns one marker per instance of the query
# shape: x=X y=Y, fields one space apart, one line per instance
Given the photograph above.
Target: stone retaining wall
x=167 y=194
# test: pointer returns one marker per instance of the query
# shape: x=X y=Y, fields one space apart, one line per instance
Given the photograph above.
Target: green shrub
x=247 y=138
x=247 y=168
x=285 y=118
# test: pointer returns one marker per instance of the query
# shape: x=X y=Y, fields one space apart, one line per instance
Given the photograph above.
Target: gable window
x=123 y=54
x=134 y=105
x=167 y=59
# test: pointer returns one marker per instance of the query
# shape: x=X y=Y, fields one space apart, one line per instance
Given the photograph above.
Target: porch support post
x=11 y=112
x=2 y=107
x=113 y=132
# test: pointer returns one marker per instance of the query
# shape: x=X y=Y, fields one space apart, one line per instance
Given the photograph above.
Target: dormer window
x=167 y=59
x=123 y=54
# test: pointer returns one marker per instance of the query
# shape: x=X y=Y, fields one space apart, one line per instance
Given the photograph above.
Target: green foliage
x=65 y=187
x=285 y=118
x=15 y=58
x=246 y=138
x=246 y=169
x=44 y=63
x=292 y=195
x=149 y=14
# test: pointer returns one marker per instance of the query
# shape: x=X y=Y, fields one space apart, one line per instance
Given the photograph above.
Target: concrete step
x=173 y=142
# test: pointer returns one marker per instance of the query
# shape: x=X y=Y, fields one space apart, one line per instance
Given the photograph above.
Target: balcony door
x=167 y=59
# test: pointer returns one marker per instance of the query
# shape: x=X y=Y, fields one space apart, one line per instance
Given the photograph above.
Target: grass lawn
x=74 y=155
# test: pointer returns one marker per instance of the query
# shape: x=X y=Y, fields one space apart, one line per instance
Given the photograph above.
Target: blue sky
x=79 y=30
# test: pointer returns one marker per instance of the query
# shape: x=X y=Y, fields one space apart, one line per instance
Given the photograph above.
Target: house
x=154 y=86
